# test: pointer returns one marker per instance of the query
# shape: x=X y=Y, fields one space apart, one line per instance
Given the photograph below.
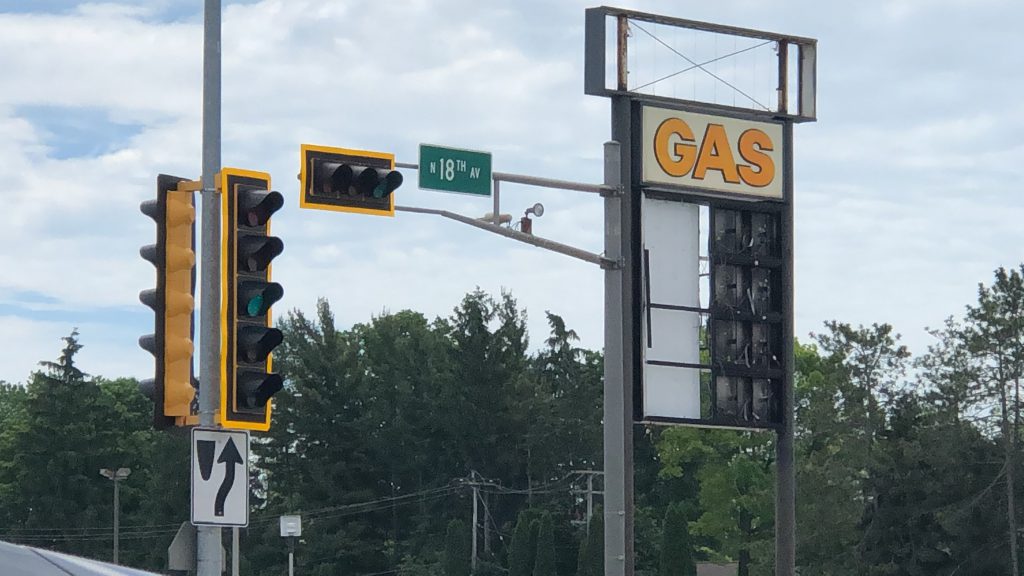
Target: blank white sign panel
x=671 y=278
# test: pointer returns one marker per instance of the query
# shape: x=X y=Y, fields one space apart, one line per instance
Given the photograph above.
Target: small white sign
x=220 y=477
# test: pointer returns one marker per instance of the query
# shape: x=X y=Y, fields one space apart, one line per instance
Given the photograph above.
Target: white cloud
x=907 y=187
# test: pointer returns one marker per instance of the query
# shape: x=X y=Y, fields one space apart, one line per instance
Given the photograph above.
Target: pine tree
x=676 y=545
x=54 y=459
x=544 y=564
x=593 y=562
x=457 y=549
x=521 y=557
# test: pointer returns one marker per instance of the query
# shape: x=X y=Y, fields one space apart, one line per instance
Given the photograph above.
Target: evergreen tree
x=63 y=429
x=544 y=564
x=676 y=546
x=457 y=549
x=593 y=560
x=581 y=558
x=521 y=557
x=995 y=337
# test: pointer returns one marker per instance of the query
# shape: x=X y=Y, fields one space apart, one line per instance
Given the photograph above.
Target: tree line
x=388 y=433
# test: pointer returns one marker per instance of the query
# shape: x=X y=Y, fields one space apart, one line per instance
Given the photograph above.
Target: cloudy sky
x=908 y=186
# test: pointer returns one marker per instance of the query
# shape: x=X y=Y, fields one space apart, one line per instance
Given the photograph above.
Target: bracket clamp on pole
x=608 y=191
x=611 y=264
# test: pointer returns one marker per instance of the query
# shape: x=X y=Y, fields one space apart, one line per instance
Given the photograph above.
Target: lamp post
x=116 y=475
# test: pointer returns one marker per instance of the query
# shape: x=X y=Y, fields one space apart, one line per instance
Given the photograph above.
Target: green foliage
x=457 y=549
x=381 y=424
x=592 y=553
x=522 y=554
x=544 y=563
x=677 y=557
x=58 y=431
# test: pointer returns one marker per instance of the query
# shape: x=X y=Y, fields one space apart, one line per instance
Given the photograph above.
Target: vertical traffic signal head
x=348 y=180
x=247 y=337
x=171 y=343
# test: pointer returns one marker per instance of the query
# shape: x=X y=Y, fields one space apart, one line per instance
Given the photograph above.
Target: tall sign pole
x=208 y=538
x=785 y=465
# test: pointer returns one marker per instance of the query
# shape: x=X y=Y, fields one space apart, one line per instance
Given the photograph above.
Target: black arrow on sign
x=229 y=456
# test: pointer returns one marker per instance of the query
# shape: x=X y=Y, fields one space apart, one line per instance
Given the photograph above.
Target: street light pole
x=116 y=475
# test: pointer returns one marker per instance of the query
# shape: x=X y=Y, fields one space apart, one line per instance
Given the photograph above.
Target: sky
x=907 y=188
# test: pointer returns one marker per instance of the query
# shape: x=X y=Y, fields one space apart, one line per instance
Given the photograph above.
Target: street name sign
x=220 y=477
x=455 y=170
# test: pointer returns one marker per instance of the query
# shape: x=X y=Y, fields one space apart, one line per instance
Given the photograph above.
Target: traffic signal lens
x=255 y=206
x=256 y=252
x=388 y=183
x=255 y=305
x=256 y=298
x=255 y=388
x=256 y=342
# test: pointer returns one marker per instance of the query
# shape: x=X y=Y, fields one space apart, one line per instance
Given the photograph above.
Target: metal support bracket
x=565 y=249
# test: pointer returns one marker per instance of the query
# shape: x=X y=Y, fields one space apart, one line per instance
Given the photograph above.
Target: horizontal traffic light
x=348 y=180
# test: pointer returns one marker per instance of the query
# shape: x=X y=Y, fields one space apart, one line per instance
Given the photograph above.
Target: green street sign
x=455 y=170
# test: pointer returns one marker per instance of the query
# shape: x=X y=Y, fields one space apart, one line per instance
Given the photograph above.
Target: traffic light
x=247 y=337
x=746 y=316
x=171 y=389
x=348 y=180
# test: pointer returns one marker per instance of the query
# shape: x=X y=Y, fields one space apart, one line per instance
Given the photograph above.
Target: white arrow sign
x=220 y=477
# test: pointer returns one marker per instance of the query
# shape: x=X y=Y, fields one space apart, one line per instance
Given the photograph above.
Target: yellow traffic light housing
x=247 y=335
x=347 y=180
x=172 y=388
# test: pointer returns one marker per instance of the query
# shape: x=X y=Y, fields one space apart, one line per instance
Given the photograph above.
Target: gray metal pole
x=234 y=552
x=117 y=517
x=208 y=540
x=496 y=213
x=291 y=563
x=785 y=481
x=590 y=499
x=476 y=495
x=618 y=417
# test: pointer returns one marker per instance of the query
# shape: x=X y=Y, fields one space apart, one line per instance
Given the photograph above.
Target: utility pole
x=476 y=496
x=589 y=491
x=208 y=538
x=475 y=482
x=487 y=525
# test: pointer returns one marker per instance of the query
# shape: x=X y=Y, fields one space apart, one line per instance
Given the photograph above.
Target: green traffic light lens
x=255 y=306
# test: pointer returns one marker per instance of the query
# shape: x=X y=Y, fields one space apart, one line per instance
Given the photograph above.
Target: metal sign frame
x=715 y=199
